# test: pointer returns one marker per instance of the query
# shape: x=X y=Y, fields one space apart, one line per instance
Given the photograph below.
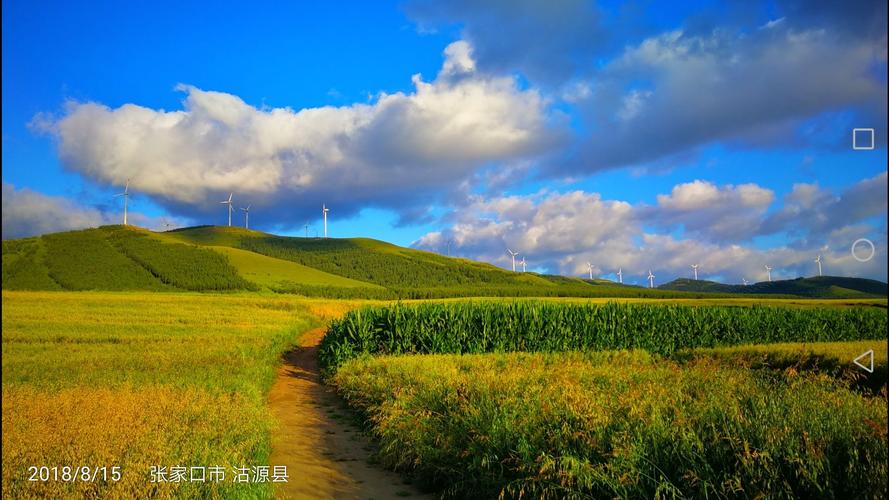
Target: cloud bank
x=29 y=213
x=561 y=232
x=400 y=151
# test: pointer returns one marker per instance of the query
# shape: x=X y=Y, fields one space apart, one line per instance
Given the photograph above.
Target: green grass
x=277 y=274
x=85 y=260
x=626 y=424
x=544 y=326
x=139 y=379
x=187 y=267
x=24 y=266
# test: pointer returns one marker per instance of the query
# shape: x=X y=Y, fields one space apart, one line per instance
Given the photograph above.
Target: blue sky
x=716 y=132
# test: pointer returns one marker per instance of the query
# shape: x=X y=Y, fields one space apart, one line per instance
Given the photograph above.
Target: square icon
x=862 y=138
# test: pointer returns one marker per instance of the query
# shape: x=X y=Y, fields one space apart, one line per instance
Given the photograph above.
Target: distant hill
x=820 y=286
x=212 y=258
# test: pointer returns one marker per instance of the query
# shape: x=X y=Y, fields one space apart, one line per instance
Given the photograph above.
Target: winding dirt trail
x=326 y=457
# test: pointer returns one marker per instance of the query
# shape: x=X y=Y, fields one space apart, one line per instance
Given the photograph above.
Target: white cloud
x=29 y=213
x=561 y=232
x=419 y=143
x=727 y=213
x=809 y=209
x=677 y=91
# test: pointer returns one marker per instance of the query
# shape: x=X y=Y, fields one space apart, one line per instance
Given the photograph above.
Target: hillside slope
x=819 y=286
x=115 y=258
x=277 y=274
x=403 y=272
x=211 y=258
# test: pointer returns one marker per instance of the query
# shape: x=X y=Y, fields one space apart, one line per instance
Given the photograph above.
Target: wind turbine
x=650 y=279
x=513 y=258
x=246 y=217
x=523 y=264
x=126 y=197
x=695 y=267
x=324 y=210
x=589 y=268
x=620 y=276
x=167 y=224
x=818 y=261
x=769 y=271
x=229 y=203
x=745 y=281
x=449 y=247
x=307 y=230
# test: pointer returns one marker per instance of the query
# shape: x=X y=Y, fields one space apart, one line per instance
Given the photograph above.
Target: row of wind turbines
x=246 y=210
x=230 y=208
x=650 y=276
x=324 y=210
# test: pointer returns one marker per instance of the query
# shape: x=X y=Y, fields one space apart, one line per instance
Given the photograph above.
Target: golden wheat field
x=135 y=380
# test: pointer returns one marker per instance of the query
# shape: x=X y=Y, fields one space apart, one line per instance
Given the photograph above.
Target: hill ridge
x=219 y=258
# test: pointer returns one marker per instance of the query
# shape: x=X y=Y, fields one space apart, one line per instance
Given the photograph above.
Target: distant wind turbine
x=166 y=224
x=769 y=271
x=449 y=247
x=307 y=230
x=620 y=276
x=695 y=267
x=246 y=217
x=126 y=197
x=818 y=261
x=324 y=210
x=589 y=268
x=514 y=254
x=229 y=203
x=745 y=281
x=650 y=279
x=523 y=264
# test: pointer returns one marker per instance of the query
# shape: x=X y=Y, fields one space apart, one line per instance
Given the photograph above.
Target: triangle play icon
x=869 y=355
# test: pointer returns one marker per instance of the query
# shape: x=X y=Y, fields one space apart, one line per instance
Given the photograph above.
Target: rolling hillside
x=819 y=286
x=211 y=258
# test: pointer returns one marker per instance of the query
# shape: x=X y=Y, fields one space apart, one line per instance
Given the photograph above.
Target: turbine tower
x=818 y=261
x=324 y=211
x=620 y=276
x=126 y=197
x=449 y=247
x=246 y=217
x=769 y=271
x=513 y=258
x=229 y=203
x=523 y=264
x=307 y=230
x=589 y=268
x=650 y=279
x=695 y=267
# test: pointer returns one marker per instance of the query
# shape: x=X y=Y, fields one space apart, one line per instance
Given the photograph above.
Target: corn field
x=538 y=326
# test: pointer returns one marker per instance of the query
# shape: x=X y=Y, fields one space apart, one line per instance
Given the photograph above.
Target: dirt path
x=326 y=457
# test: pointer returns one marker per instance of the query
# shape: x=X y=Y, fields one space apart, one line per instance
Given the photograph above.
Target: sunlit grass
x=141 y=379
x=619 y=424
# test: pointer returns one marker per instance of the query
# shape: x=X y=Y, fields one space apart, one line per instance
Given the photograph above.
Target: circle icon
x=865 y=242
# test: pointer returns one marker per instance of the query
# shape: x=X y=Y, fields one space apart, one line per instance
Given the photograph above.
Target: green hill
x=401 y=272
x=820 y=286
x=277 y=274
x=211 y=258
